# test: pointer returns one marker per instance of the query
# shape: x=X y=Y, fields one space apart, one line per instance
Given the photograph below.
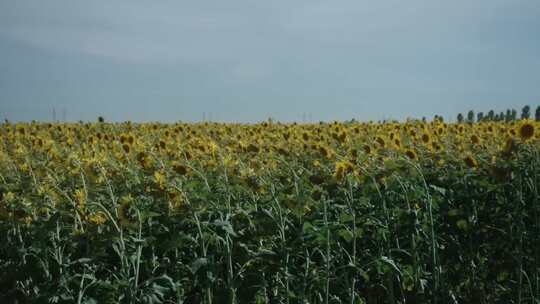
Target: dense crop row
x=413 y=212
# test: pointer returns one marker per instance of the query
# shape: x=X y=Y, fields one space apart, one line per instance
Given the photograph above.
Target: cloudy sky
x=246 y=60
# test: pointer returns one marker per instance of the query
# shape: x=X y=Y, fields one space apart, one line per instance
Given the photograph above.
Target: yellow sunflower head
x=475 y=139
x=367 y=149
x=426 y=138
x=127 y=216
x=341 y=169
x=526 y=131
x=470 y=161
x=411 y=154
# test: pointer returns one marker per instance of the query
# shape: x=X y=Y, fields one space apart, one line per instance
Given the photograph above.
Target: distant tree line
x=509 y=115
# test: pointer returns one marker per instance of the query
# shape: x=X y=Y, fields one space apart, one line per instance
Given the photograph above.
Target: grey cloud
x=247 y=60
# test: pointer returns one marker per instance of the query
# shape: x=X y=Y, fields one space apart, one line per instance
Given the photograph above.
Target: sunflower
x=253 y=148
x=470 y=161
x=143 y=159
x=160 y=179
x=411 y=154
x=367 y=149
x=475 y=139
x=97 y=218
x=126 y=215
x=341 y=169
x=509 y=147
x=162 y=145
x=176 y=202
x=286 y=135
x=526 y=131
x=324 y=151
x=80 y=198
x=180 y=169
x=380 y=141
x=342 y=137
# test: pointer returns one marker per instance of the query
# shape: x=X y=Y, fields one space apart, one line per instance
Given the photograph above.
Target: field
x=343 y=212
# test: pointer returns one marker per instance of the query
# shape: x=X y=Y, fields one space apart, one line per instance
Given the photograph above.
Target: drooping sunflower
x=253 y=148
x=380 y=141
x=509 y=147
x=342 y=137
x=470 y=161
x=180 y=169
x=324 y=151
x=367 y=149
x=341 y=169
x=411 y=154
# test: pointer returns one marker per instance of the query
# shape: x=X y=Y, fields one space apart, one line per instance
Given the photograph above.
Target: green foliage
x=405 y=232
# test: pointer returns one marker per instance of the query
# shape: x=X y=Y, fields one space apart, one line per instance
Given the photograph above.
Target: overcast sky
x=249 y=60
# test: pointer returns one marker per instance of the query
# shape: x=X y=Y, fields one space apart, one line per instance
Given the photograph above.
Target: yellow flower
x=127 y=218
x=97 y=218
x=325 y=152
x=80 y=198
x=509 y=147
x=526 y=131
x=253 y=148
x=367 y=149
x=470 y=161
x=160 y=179
x=411 y=154
x=180 y=169
x=9 y=197
x=380 y=141
x=341 y=169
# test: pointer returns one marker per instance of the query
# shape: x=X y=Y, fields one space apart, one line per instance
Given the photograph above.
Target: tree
x=480 y=116
x=526 y=112
x=508 y=115
x=501 y=116
x=460 y=118
x=491 y=115
x=537 y=114
x=470 y=116
x=514 y=114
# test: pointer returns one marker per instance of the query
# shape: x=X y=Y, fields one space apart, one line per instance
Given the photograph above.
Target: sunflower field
x=343 y=212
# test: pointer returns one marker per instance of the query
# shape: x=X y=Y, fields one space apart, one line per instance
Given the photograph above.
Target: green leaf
x=198 y=263
x=226 y=226
x=440 y=190
x=388 y=261
x=346 y=234
x=462 y=224
x=453 y=212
